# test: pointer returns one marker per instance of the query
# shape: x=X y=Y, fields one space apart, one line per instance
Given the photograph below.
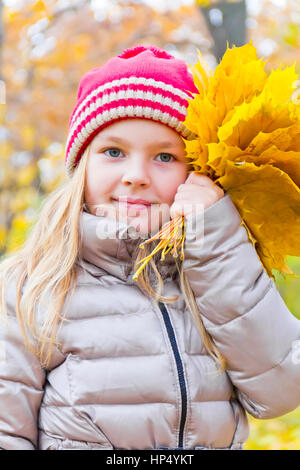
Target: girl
x=91 y=359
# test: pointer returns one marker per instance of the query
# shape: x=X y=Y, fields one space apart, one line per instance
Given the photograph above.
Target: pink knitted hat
x=142 y=82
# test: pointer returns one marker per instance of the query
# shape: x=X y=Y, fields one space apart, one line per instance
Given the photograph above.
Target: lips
x=134 y=202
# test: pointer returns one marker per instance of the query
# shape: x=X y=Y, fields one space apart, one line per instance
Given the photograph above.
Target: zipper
x=182 y=383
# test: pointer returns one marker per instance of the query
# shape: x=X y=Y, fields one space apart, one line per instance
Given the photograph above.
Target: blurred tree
x=275 y=30
x=48 y=46
x=226 y=21
x=1 y=36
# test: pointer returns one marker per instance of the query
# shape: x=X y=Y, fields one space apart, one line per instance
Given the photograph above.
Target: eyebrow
x=166 y=144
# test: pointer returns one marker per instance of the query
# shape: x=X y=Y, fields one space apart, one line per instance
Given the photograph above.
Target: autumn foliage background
x=46 y=47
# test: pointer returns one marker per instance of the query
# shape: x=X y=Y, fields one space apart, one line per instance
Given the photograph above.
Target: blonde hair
x=46 y=263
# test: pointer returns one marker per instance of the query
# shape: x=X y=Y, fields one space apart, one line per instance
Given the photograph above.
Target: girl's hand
x=197 y=189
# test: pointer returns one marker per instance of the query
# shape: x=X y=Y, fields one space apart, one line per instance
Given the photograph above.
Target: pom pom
x=134 y=51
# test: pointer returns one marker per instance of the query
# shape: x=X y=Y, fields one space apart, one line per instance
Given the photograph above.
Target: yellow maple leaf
x=248 y=142
x=269 y=202
x=283 y=138
x=251 y=147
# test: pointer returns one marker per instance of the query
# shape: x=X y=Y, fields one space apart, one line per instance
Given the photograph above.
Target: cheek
x=169 y=188
x=98 y=182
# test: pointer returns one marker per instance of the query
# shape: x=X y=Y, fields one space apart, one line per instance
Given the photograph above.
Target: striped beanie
x=142 y=82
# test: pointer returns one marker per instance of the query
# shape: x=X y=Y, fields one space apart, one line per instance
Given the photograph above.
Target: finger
x=199 y=179
x=176 y=210
x=220 y=191
x=190 y=187
x=196 y=193
x=188 y=195
x=183 y=207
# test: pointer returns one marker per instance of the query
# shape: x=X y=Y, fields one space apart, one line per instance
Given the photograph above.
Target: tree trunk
x=226 y=22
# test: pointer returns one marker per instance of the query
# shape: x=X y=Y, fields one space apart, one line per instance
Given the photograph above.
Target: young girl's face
x=138 y=159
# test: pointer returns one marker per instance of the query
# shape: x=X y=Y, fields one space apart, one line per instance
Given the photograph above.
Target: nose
x=136 y=174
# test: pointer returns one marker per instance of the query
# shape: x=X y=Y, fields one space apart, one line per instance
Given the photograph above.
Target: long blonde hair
x=46 y=263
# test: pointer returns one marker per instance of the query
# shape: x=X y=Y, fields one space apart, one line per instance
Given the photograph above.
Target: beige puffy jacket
x=132 y=373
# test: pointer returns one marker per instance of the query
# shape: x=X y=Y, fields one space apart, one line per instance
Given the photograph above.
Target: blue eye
x=168 y=155
x=115 y=153
x=112 y=150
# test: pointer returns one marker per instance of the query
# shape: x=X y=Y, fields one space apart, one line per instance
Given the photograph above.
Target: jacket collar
x=106 y=247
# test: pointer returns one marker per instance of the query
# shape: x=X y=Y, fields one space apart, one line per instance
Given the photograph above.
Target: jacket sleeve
x=21 y=387
x=243 y=311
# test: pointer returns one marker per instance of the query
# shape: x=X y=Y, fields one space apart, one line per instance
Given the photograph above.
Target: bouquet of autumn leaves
x=248 y=141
